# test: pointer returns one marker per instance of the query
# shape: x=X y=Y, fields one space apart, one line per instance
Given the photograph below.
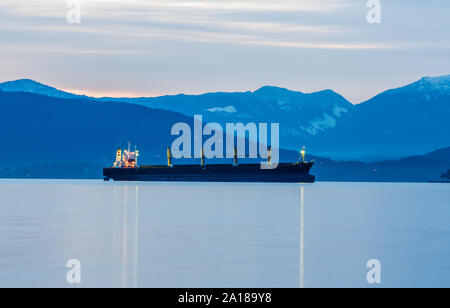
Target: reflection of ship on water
x=126 y=168
x=125 y=236
x=127 y=268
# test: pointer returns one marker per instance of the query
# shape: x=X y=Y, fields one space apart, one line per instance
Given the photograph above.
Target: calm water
x=223 y=235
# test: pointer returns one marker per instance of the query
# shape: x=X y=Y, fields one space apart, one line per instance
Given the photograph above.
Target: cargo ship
x=126 y=168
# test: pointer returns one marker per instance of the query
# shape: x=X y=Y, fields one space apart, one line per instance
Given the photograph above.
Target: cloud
x=182 y=21
x=174 y=46
x=108 y=8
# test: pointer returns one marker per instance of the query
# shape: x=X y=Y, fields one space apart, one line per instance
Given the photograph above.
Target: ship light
x=303 y=152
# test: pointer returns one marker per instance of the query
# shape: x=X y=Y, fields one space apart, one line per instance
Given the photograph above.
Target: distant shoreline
x=318 y=181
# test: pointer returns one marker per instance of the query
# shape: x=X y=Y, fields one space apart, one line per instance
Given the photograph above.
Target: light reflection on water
x=125 y=236
x=223 y=235
x=302 y=237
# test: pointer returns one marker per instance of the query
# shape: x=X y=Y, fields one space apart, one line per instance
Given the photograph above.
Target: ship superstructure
x=126 y=159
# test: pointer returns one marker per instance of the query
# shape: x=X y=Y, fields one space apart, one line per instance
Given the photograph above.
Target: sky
x=158 y=47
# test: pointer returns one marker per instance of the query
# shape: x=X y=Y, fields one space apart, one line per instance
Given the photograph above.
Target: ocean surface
x=223 y=235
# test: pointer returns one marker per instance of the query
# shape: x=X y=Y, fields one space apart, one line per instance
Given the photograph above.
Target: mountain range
x=37 y=129
x=410 y=120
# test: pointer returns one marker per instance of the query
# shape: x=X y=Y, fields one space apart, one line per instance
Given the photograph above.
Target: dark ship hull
x=284 y=173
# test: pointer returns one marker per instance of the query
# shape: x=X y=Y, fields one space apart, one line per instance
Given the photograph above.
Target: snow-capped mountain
x=410 y=120
x=301 y=115
x=31 y=86
x=440 y=84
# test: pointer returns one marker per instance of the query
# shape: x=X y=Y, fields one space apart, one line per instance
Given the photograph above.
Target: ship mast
x=203 y=158
x=169 y=157
x=269 y=158
x=303 y=152
x=136 y=154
